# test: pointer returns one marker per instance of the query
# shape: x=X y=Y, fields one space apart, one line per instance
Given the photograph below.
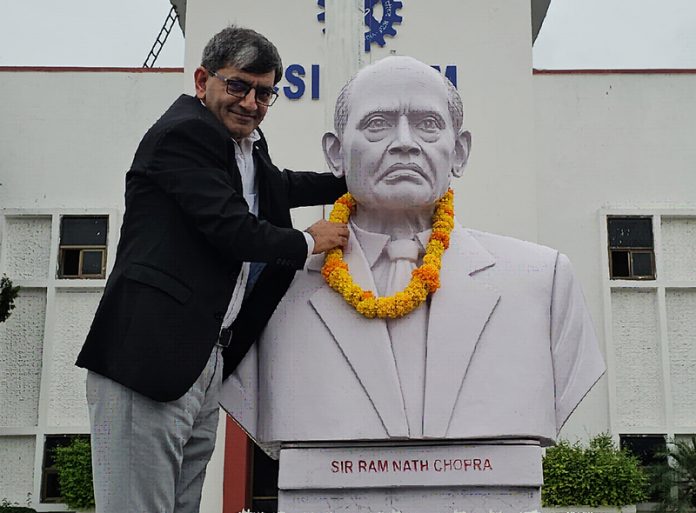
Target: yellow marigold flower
x=432 y=260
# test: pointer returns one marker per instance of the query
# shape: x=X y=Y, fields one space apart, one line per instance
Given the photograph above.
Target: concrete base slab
x=405 y=500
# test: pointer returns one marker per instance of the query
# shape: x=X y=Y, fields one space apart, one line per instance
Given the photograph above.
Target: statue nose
x=404 y=141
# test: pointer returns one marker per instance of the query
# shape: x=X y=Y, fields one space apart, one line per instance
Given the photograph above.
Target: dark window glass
x=265 y=483
x=648 y=449
x=83 y=231
x=70 y=262
x=50 y=488
x=631 y=248
x=642 y=264
x=82 y=251
x=92 y=262
x=619 y=264
x=630 y=232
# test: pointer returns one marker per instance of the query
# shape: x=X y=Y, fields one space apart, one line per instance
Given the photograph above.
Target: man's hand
x=328 y=235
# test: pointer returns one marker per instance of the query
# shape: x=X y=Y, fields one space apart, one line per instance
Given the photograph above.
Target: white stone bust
x=504 y=349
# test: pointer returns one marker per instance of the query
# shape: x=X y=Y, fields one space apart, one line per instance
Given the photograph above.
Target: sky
x=102 y=33
x=577 y=34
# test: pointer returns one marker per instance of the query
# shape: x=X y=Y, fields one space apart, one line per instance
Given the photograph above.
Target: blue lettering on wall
x=315 y=81
x=450 y=73
x=293 y=74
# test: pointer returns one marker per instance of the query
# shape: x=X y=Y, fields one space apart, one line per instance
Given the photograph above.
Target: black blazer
x=186 y=230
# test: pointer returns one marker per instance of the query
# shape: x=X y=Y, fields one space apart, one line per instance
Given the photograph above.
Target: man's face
x=240 y=116
x=399 y=146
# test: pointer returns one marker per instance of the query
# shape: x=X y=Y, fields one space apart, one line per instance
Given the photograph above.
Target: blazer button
x=219 y=316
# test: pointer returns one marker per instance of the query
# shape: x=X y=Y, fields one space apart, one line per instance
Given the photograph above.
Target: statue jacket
x=511 y=351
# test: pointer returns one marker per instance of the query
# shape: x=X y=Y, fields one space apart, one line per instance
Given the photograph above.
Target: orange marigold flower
x=429 y=275
x=331 y=266
x=347 y=200
x=441 y=236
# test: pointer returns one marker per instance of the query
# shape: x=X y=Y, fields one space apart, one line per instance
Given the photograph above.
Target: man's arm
x=189 y=164
x=307 y=189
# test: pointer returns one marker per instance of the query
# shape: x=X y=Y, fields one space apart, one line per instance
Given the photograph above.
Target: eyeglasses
x=240 y=89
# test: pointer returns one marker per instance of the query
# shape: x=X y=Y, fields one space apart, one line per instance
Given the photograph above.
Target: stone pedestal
x=410 y=478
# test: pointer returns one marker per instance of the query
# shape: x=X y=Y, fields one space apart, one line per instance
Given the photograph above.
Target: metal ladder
x=161 y=38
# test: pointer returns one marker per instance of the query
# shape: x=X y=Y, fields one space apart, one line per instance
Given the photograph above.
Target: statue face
x=399 y=146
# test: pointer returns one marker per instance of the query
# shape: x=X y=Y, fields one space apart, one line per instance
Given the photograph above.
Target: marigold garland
x=425 y=279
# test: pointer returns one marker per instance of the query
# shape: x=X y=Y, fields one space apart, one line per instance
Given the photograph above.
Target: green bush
x=597 y=475
x=8 y=293
x=13 y=507
x=674 y=482
x=74 y=465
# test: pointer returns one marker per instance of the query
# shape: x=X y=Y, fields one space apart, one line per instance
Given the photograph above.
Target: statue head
x=398 y=135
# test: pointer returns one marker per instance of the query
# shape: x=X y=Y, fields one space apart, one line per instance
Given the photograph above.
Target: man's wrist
x=310 y=243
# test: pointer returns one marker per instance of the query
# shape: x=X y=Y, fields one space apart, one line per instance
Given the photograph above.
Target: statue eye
x=378 y=123
x=429 y=124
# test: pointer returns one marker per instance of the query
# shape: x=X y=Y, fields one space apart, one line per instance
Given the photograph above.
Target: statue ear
x=332 y=153
x=462 y=148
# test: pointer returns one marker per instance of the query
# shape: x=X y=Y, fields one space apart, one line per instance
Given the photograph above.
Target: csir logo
x=376 y=28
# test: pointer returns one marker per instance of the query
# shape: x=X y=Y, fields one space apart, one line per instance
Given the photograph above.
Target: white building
x=600 y=165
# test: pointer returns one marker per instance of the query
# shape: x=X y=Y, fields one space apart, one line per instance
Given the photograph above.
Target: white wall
x=68 y=138
x=611 y=141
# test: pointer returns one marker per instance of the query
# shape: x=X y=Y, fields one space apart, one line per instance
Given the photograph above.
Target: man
x=199 y=178
x=503 y=349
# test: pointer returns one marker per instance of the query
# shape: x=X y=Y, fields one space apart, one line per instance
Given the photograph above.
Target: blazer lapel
x=459 y=311
x=365 y=343
x=271 y=196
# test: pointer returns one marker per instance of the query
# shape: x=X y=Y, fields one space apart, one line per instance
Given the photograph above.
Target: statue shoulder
x=510 y=248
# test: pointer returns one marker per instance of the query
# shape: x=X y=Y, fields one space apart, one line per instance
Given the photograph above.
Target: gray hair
x=244 y=49
x=454 y=104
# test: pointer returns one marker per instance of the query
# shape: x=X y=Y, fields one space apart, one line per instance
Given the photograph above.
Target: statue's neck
x=398 y=224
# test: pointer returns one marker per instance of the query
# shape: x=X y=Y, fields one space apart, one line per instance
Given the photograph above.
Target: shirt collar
x=248 y=140
x=373 y=244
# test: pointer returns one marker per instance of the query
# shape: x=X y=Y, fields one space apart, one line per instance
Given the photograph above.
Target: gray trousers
x=149 y=456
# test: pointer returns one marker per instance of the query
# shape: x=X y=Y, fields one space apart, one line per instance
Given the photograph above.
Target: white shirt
x=244 y=156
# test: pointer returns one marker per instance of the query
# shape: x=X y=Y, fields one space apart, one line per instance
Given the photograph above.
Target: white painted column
x=344 y=41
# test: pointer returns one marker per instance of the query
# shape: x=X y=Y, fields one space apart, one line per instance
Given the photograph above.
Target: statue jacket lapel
x=459 y=312
x=460 y=309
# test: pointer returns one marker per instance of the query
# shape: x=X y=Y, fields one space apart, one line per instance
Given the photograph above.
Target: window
x=649 y=449
x=82 y=252
x=631 y=248
x=50 y=488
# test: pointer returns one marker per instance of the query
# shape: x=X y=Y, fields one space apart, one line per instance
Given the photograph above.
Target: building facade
x=600 y=165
